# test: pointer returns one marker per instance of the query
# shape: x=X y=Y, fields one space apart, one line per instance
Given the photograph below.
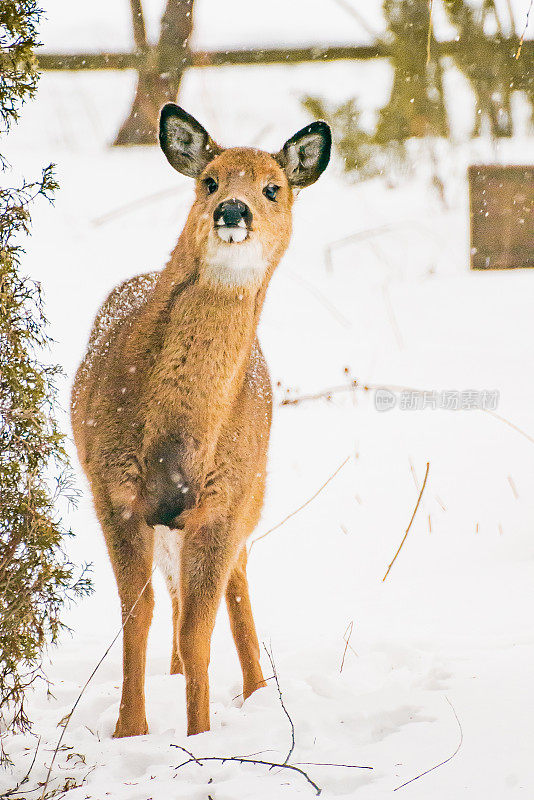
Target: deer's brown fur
x=171 y=413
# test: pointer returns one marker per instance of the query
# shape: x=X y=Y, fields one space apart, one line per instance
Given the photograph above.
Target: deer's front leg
x=207 y=554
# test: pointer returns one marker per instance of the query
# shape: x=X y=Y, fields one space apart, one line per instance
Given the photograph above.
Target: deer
x=171 y=407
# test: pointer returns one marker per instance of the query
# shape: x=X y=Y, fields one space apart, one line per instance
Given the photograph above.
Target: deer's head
x=240 y=222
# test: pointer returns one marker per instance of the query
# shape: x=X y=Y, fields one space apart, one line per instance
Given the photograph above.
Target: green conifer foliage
x=18 y=38
x=36 y=577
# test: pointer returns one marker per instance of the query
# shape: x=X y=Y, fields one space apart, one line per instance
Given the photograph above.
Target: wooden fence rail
x=221 y=58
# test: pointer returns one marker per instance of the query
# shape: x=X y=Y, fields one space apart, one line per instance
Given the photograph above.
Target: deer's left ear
x=305 y=156
x=188 y=146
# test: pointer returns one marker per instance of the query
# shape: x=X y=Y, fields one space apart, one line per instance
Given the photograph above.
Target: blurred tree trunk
x=157 y=83
x=490 y=70
x=416 y=106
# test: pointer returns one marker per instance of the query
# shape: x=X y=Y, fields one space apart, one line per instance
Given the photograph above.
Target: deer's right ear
x=187 y=145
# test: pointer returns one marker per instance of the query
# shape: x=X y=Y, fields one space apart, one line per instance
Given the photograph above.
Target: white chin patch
x=232 y=234
x=236 y=262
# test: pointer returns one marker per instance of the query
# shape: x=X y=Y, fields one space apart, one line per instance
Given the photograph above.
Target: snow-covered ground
x=451 y=630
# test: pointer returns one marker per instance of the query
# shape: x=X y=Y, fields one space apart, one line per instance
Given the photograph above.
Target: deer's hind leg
x=242 y=625
x=130 y=544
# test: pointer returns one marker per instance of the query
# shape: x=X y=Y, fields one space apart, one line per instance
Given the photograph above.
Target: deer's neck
x=206 y=341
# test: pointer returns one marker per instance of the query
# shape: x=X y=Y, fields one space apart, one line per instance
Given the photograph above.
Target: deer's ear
x=187 y=145
x=305 y=156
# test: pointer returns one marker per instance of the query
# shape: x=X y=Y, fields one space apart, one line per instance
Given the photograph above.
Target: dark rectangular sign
x=501 y=201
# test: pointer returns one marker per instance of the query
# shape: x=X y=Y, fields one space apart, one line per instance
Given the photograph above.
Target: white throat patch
x=236 y=264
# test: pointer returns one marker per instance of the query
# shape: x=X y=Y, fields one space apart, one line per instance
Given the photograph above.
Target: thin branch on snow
x=330 y=764
x=371 y=233
x=286 y=712
x=354 y=237
x=270 y=678
x=23 y=780
x=353 y=386
x=140 y=202
x=410 y=523
x=441 y=763
x=391 y=316
x=240 y=760
x=271 y=764
x=296 y=511
x=513 y=487
x=200 y=760
x=322 y=298
x=510 y=424
x=346 y=639
x=324 y=393
x=65 y=721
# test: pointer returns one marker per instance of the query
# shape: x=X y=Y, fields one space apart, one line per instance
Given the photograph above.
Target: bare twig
x=88 y=681
x=522 y=39
x=172 y=191
x=349 y=8
x=241 y=694
x=414 y=476
x=334 y=311
x=240 y=760
x=355 y=385
x=510 y=424
x=200 y=760
x=370 y=233
x=286 y=712
x=441 y=763
x=328 y=764
x=391 y=315
x=346 y=639
x=189 y=753
x=326 y=393
x=24 y=780
x=410 y=523
x=296 y=511
x=354 y=237
x=513 y=487
x=346 y=387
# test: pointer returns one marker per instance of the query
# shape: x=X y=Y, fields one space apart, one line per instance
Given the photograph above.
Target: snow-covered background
x=454 y=619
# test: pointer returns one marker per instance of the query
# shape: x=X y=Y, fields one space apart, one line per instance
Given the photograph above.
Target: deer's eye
x=270 y=191
x=211 y=185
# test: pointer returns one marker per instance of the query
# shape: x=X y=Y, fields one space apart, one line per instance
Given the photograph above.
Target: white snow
x=453 y=621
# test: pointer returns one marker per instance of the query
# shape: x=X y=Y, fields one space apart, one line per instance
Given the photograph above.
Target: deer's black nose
x=232 y=213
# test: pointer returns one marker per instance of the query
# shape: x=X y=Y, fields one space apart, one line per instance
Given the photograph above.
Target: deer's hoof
x=130 y=728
